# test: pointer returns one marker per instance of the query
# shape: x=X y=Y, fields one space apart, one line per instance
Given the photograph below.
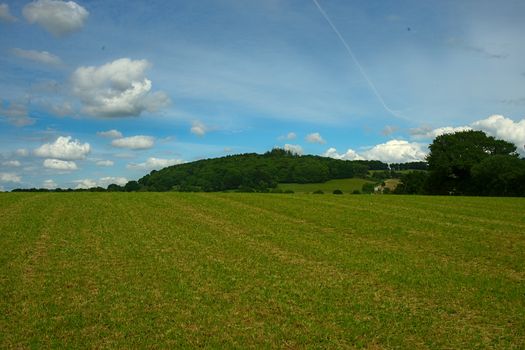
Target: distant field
x=345 y=185
x=229 y=270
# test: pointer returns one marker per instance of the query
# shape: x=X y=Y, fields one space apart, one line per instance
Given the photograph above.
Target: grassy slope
x=249 y=270
x=345 y=185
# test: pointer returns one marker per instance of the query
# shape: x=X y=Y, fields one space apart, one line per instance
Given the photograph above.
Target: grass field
x=345 y=185
x=166 y=270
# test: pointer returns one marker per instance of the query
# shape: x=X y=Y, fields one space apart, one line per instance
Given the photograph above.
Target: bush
x=356 y=192
x=368 y=188
x=337 y=192
x=318 y=192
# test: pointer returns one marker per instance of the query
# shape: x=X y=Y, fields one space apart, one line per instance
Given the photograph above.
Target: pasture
x=231 y=270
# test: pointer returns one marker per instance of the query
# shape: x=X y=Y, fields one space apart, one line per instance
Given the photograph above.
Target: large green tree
x=452 y=157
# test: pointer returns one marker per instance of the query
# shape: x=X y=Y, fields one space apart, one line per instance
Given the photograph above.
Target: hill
x=252 y=172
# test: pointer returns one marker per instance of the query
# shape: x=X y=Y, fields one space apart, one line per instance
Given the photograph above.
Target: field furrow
x=227 y=270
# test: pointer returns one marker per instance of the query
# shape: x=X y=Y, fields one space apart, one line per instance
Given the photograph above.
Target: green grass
x=227 y=270
x=345 y=185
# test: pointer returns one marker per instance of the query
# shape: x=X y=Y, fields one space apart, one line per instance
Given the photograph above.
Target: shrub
x=356 y=192
x=337 y=192
x=318 y=192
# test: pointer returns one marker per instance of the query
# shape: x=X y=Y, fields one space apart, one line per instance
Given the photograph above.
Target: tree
x=413 y=182
x=500 y=175
x=452 y=157
x=132 y=186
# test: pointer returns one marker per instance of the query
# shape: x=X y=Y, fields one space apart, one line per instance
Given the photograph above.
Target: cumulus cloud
x=315 y=138
x=49 y=184
x=5 y=14
x=102 y=182
x=106 y=181
x=349 y=155
x=496 y=125
x=427 y=133
x=57 y=17
x=11 y=163
x=154 y=163
x=85 y=184
x=503 y=128
x=393 y=151
x=134 y=142
x=110 y=134
x=198 y=128
x=22 y=152
x=58 y=164
x=37 y=56
x=16 y=114
x=396 y=151
x=63 y=148
x=295 y=149
x=105 y=163
x=10 y=177
x=117 y=89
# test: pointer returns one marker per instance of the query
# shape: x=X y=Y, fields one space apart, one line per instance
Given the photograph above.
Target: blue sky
x=176 y=81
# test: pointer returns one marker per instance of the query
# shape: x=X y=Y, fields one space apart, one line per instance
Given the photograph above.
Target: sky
x=100 y=92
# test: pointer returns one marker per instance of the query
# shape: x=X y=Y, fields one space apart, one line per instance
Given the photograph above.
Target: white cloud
x=117 y=89
x=396 y=151
x=106 y=181
x=295 y=149
x=427 y=133
x=37 y=56
x=9 y=177
x=349 y=155
x=11 y=163
x=134 y=142
x=289 y=136
x=198 y=128
x=63 y=148
x=315 y=138
x=5 y=14
x=22 y=152
x=155 y=163
x=17 y=115
x=57 y=17
x=497 y=126
x=58 y=164
x=111 y=134
x=503 y=128
x=102 y=182
x=85 y=184
x=49 y=184
x=105 y=163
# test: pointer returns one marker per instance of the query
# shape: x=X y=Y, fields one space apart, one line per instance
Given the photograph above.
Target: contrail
x=361 y=69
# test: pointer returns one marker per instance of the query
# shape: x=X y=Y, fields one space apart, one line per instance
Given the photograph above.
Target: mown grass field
x=345 y=185
x=229 y=270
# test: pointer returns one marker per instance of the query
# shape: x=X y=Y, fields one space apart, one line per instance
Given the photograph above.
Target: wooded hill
x=252 y=172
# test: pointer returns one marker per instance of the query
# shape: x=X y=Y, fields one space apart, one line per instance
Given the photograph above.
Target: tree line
x=468 y=163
